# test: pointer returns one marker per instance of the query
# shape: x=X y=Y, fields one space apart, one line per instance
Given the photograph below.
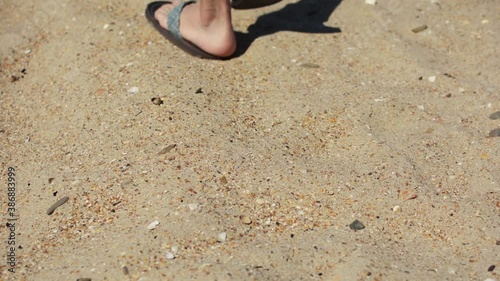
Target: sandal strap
x=174 y=18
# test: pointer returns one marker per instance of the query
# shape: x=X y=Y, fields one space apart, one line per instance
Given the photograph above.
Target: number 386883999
x=11 y=189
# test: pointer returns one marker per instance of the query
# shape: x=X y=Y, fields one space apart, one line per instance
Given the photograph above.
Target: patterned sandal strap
x=174 y=18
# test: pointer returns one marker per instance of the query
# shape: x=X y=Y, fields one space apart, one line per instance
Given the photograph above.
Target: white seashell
x=175 y=249
x=153 y=225
x=169 y=256
x=133 y=90
x=221 y=237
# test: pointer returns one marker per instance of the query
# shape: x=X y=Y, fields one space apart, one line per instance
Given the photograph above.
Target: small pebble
x=491 y=268
x=199 y=91
x=14 y=78
x=495 y=115
x=193 y=206
x=356 y=225
x=419 y=29
x=51 y=180
x=57 y=205
x=494 y=133
x=153 y=225
x=371 y=2
x=408 y=195
x=157 y=101
x=223 y=180
x=167 y=149
x=133 y=90
x=125 y=270
x=221 y=237
x=245 y=219
x=396 y=209
x=432 y=78
x=309 y=65
x=84 y=279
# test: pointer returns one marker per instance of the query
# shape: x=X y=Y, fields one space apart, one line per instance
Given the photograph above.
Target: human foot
x=206 y=24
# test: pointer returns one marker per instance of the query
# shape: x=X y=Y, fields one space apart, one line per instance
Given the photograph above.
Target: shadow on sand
x=304 y=16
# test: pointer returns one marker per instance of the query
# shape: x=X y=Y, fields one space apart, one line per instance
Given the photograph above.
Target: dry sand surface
x=254 y=167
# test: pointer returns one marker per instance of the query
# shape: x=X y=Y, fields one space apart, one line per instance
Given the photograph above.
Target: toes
x=162 y=13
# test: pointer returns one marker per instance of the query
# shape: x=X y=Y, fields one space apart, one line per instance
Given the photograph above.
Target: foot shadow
x=306 y=16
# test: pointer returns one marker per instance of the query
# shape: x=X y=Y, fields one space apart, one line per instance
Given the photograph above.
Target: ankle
x=218 y=15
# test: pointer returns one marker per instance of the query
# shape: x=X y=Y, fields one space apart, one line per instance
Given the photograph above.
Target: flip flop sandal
x=173 y=34
x=251 y=4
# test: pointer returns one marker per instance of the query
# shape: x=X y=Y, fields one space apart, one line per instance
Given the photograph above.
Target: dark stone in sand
x=356 y=225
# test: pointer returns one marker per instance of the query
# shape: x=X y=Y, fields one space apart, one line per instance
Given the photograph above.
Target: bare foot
x=206 y=24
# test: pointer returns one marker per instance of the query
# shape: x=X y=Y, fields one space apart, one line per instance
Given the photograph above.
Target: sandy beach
x=344 y=141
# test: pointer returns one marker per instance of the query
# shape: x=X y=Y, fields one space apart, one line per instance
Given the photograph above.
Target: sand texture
x=254 y=168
